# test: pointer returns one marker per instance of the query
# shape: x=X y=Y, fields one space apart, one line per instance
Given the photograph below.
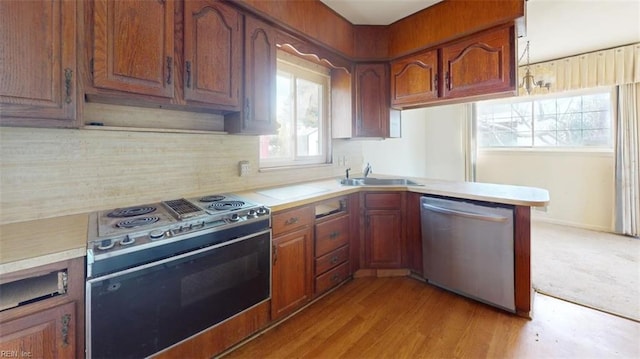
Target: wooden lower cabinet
x=384 y=229
x=292 y=268
x=412 y=253
x=332 y=239
x=51 y=325
x=46 y=334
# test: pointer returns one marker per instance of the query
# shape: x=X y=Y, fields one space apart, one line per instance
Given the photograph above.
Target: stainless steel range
x=178 y=267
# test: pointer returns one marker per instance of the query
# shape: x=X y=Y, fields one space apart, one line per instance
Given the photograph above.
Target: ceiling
x=555 y=28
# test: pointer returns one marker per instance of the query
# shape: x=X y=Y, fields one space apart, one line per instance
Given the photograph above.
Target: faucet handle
x=346 y=172
x=367 y=169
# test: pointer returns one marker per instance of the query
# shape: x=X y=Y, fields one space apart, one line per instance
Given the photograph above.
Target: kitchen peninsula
x=70 y=237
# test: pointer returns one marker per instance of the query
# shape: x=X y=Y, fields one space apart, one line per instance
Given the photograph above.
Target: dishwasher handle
x=482 y=217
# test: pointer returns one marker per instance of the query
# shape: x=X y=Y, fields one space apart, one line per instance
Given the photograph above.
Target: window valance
x=616 y=66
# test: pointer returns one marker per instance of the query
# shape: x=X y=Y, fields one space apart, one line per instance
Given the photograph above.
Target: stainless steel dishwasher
x=468 y=249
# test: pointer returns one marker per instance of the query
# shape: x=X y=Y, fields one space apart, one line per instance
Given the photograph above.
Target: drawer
x=332 y=259
x=332 y=278
x=383 y=200
x=292 y=219
x=331 y=235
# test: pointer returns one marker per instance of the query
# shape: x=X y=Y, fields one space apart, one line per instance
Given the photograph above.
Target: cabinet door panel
x=414 y=80
x=260 y=78
x=46 y=334
x=212 y=46
x=372 y=106
x=483 y=64
x=384 y=235
x=133 y=46
x=38 y=62
x=292 y=272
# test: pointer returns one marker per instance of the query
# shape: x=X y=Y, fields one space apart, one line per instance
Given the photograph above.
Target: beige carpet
x=595 y=269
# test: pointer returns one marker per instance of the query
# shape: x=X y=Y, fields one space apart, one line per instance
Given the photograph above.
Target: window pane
x=308 y=100
x=582 y=120
x=280 y=145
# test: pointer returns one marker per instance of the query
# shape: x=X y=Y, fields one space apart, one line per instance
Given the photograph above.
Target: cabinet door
x=292 y=272
x=480 y=65
x=212 y=53
x=133 y=46
x=371 y=99
x=46 y=334
x=259 y=108
x=38 y=63
x=414 y=80
x=383 y=238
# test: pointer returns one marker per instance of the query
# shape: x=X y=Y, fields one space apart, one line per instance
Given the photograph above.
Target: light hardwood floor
x=401 y=317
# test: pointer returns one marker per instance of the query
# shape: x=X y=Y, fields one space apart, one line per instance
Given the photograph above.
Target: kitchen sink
x=369 y=181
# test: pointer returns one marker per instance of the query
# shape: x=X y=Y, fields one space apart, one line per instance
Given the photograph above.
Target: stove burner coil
x=130 y=211
x=213 y=198
x=226 y=205
x=137 y=222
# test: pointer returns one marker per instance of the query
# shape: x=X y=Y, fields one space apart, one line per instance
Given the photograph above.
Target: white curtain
x=628 y=160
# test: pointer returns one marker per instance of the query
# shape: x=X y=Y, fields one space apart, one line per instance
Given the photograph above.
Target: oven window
x=140 y=313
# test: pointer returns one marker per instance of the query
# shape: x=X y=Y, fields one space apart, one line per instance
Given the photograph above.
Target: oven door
x=140 y=311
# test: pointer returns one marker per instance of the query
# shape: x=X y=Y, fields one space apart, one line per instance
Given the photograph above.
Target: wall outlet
x=245 y=168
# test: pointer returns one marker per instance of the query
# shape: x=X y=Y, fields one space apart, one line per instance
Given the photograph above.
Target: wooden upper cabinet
x=371 y=100
x=212 y=53
x=482 y=64
x=133 y=46
x=414 y=79
x=259 y=108
x=38 y=63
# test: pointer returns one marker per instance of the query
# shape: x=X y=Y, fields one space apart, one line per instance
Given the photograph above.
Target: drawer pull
x=291 y=220
x=335 y=278
x=334 y=235
x=334 y=260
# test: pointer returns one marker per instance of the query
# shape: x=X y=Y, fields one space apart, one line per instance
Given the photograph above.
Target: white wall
x=432 y=145
x=580 y=184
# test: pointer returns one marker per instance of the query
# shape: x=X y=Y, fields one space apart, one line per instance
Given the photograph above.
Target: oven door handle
x=180 y=256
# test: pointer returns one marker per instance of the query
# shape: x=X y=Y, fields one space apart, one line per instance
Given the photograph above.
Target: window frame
x=306 y=70
x=551 y=148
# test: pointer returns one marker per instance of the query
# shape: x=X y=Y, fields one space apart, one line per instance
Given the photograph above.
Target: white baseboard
x=540 y=218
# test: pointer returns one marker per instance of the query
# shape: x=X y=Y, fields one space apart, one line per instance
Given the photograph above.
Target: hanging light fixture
x=528 y=81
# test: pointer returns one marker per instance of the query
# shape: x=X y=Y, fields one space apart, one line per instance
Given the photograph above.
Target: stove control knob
x=156 y=234
x=252 y=213
x=127 y=241
x=262 y=211
x=234 y=217
x=106 y=244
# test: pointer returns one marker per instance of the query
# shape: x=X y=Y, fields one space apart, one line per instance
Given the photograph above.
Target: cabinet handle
x=291 y=220
x=274 y=251
x=66 y=320
x=247 y=109
x=435 y=83
x=68 y=75
x=448 y=81
x=335 y=278
x=169 y=68
x=188 y=65
x=334 y=235
x=334 y=260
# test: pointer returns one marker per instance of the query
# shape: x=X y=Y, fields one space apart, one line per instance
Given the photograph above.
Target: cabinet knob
x=334 y=235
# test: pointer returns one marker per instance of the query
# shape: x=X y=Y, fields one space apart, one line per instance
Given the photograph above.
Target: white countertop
x=29 y=244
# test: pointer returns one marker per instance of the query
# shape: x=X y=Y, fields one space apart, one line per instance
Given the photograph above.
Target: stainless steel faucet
x=367 y=170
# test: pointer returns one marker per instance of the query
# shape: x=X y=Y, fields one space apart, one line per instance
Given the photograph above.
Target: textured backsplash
x=51 y=172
